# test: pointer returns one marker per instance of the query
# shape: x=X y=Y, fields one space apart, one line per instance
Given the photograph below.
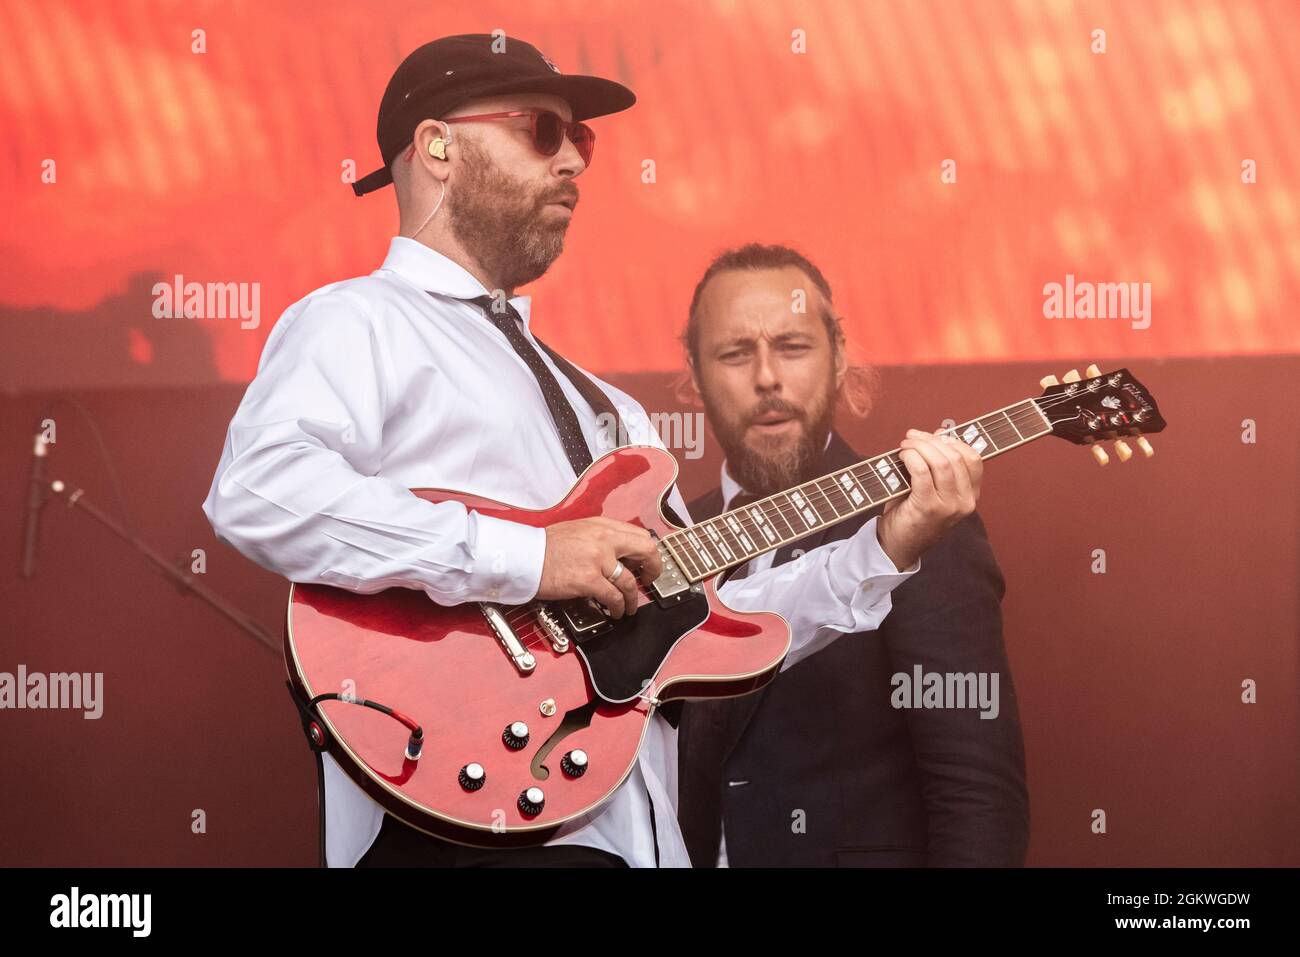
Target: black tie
x=566 y=420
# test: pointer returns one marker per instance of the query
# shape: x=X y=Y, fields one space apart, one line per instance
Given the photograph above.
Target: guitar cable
x=319 y=741
x=414 y=744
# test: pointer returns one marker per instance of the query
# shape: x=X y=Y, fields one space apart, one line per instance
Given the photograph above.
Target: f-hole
x=574 y=720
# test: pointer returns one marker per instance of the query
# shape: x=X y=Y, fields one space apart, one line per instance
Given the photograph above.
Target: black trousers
x=399 y=845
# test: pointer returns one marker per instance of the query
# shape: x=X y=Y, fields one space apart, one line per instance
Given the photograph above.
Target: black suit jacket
x=818 y=768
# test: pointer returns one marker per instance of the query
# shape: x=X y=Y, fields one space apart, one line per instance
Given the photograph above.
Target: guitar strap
x=599 y=401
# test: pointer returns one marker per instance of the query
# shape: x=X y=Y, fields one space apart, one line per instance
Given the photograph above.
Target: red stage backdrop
x=942 y=161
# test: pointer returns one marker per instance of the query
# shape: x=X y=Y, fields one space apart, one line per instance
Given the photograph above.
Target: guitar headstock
x=1098 y=406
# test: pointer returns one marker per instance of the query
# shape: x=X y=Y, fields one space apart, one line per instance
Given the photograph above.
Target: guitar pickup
x=582 y=617
x=671 y=583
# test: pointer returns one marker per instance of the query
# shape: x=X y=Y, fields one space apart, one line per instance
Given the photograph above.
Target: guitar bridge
x=553 y=630
x=520 y=656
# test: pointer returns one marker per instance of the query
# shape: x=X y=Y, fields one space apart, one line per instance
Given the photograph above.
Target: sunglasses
x=549 y=130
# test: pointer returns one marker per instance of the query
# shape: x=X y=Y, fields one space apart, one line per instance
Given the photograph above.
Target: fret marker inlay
x=973 y=438
x=888 y=474
x=851 y=489
x=763 y=524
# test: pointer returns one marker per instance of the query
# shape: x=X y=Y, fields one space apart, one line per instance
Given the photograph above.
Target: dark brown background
x=1129 y=682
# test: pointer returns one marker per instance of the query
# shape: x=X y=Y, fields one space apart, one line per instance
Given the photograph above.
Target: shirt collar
x=430 y=270
x=731 y=488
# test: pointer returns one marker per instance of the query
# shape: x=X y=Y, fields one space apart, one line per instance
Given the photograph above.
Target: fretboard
x=733 y=538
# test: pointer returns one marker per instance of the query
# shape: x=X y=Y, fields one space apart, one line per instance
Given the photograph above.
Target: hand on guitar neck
x=945 y=477
x=581 y=554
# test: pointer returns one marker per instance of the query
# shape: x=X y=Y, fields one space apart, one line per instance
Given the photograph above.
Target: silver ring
x=618 y=570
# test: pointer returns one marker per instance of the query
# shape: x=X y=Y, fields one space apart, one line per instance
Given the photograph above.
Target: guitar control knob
x=574 y=764
x=515 y=735
x=472 y=776
x=531 y=801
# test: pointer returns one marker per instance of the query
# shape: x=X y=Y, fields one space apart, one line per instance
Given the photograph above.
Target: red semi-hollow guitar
x=493 y=725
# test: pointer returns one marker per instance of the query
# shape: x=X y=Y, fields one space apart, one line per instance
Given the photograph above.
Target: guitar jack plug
x=415 y=744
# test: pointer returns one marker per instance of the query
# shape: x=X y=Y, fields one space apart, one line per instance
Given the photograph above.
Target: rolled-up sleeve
x=297 y=489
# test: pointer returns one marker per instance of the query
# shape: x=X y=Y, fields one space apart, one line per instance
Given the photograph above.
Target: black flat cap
x=446 y=72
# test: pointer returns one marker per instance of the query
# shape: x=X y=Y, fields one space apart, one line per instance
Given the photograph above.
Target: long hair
x=857 y=392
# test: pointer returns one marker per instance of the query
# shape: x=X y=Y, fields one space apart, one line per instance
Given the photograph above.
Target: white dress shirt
x=369 y=387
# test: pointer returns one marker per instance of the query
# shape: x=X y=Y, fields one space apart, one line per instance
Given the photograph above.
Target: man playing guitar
x=426 y=373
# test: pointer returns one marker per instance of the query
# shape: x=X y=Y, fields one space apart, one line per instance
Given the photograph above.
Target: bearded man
x=822 y=767
x=427 y=374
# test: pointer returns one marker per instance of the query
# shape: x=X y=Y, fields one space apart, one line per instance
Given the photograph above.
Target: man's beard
x=501 y=223
x=768 y=464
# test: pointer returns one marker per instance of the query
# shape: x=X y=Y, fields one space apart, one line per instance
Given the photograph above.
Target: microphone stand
x=185 y=580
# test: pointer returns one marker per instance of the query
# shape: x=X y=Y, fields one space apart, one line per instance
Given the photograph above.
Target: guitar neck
x=733 y=538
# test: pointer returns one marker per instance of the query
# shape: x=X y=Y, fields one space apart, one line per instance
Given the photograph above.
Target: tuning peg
x=1092 y=371
x=1099 y=454
x=1047 y=381
x=1122 y=450
x=1145 y=446
x=1071 y=376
